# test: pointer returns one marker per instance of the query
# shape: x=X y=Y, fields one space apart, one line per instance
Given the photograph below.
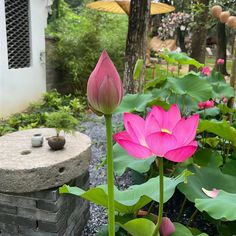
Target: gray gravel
x=94 y=127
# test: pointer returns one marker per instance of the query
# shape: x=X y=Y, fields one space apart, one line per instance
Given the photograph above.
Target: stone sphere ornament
x=231 y=22
x=216 y=11
x=224 y=16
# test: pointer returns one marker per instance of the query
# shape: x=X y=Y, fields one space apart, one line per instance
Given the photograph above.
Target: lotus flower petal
x=167 y=119
x=213 y=194
x=132 y=148
x=151 y=124
x=134 y=125
x=185 y=130
x=181 y=154
x=161 y=142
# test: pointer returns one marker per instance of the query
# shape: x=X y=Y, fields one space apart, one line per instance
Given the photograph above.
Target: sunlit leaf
x=132 y=199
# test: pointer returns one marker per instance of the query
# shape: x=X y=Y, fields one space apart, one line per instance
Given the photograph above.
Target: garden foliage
x=211 y=169
x=81 y=35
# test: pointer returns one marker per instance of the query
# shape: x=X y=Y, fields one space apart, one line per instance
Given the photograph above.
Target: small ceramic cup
x=37 y=140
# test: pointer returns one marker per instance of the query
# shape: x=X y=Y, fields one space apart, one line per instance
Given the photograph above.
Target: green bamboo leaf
x=132 y=199
x=139 y=227
x=122 y=161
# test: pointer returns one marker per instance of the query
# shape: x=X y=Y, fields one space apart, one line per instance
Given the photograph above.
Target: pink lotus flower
x=220 y=61
x=167 y=227
x=206 y=104
x=163 y=133
x=104 y=88
x=206 y=71
x=212 y=194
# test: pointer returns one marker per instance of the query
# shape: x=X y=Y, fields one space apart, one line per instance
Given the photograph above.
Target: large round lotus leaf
x=208 y=178
x=220 y=128
x=223 y=207
x=132 y=199
x=122 y=161
x=134 y=102
x=199 y=90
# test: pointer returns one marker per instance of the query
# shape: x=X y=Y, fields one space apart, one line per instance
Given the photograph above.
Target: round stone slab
x=24 y=168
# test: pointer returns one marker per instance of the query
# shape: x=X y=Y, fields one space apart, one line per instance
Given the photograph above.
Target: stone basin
x=24 y=168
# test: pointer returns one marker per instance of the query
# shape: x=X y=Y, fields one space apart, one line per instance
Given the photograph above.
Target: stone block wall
x=44 y=213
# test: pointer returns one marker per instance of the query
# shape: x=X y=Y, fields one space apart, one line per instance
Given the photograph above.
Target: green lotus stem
x=182 y=208
x=161 y=197
x=110 y=177
x=192 y=217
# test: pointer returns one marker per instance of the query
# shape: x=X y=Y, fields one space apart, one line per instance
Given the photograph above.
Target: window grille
x=18 y=33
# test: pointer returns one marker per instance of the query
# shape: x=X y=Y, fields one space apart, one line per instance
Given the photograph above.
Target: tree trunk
x=221 y=47
x=136 y=43
x=198 y=46
x=181 y=40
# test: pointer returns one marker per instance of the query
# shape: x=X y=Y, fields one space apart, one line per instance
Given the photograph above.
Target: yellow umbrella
x=122 y=7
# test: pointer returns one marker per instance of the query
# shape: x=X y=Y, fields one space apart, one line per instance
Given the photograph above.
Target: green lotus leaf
x=199 y=90
x=220 y=89
x=220 y=128
x=132 y=199
x=122 y=161
x=181 y=230
x=139 y=227
x=134 y=102
x=208 y=178
x=208 y=157
x=230 y=168
x=181 y=58
x=223 y=207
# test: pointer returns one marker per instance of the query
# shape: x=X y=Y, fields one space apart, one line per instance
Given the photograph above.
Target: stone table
x=29 y=178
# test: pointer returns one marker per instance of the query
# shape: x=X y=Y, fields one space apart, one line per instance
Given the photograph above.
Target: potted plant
x=60 y=120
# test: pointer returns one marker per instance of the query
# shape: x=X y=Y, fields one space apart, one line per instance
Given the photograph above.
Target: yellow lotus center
x=166 y=131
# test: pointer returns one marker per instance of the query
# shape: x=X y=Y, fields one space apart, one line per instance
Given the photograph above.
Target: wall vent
x=18 y=33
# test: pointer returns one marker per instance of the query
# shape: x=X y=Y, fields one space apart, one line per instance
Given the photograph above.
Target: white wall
x=19 y=87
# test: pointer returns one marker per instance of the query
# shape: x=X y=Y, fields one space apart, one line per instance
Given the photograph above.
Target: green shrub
x=61 y=120
x=37 y=113
x=82 y=35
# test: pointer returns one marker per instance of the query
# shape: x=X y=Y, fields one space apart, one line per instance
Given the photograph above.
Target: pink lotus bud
x=172 y=69
x=220 y=61
x=201 y=105
x=104 y=88
x=206 y=104
x=167 y=227
x=216 y=11
x=209 y=104
x=224 y=16
x=206 y=71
